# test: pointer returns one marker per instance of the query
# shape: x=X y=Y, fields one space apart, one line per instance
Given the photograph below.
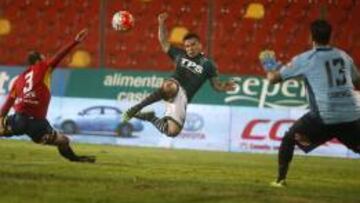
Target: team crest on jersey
x=192 y=66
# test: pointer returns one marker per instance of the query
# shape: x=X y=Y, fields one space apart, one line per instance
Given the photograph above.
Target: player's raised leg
x=165 y=125
x=171 y=124
x=167 y=91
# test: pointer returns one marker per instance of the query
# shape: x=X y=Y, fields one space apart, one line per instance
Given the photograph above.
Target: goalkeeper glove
x=268 y=60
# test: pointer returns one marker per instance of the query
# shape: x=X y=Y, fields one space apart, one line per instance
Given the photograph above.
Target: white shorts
x=176 y=109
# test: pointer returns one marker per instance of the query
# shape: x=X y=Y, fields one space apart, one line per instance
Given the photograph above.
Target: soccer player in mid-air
x=30 y=98
x=193 y=69
x=330 y=76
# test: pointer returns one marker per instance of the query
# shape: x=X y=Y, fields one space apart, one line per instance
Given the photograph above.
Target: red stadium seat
x=234 y=40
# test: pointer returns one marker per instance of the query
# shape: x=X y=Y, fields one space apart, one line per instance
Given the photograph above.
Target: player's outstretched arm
x=222 y=86
x=270 y=65
x=55 y=60
x=165 y=45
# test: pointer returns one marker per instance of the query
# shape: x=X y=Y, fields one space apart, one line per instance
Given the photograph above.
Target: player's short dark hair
x=321 y=31
x=191 y=36
x=33 y=57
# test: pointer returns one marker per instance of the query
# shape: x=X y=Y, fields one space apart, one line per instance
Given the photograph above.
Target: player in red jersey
x=30 y=98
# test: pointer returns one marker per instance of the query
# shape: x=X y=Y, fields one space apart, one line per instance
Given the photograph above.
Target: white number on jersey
x=192 y=66
x=29 y=82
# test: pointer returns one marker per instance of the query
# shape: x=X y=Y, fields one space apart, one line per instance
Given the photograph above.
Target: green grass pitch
x=32 y=173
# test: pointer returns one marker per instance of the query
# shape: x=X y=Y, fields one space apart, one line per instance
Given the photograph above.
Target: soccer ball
x=122 y=21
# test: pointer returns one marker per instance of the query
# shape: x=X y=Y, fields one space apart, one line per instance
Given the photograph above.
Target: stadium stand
x=45 y=25
x=233 y=32
x=139 y=48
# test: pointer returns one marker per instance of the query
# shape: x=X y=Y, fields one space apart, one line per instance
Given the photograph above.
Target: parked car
x=98 y=120
x=193 y=122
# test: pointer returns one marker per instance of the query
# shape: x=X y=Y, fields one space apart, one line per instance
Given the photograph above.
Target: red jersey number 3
x=29 y=84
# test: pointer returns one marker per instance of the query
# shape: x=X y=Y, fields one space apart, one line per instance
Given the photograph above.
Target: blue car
x=98 y=120
x=194 y=122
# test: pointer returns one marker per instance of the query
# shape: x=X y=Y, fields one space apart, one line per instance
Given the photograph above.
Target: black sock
x=152 y=98
x=286 y=153
x=66 y=151
x=161 y=124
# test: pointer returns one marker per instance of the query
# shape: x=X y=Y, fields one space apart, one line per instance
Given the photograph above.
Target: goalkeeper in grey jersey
x=192 y=70
x=330 y=76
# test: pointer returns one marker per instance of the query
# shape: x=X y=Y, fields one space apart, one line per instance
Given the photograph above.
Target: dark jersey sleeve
x=175 y=52
x=212 y=69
